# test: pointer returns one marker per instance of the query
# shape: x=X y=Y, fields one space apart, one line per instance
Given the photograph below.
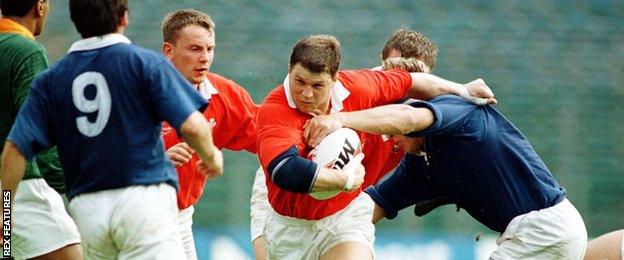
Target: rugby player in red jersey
x=189 y=42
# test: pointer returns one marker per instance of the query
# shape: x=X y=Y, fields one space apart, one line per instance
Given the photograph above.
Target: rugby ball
x=334 y=152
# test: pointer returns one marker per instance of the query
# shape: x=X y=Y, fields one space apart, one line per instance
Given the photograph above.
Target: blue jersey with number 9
x=103 y=105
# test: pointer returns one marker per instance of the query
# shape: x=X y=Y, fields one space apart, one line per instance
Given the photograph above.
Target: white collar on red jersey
x=97 y=42
x=206 y=89
x=338 y=94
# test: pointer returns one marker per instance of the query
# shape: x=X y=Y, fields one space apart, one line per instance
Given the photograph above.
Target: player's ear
x=125 y=19
x=167 y=48
x=39 y=8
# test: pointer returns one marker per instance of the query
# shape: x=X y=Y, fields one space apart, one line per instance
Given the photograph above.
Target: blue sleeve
x=30 y=130
x=172 y=95
x=449 y=112
x=292 y=172
x=410 y=183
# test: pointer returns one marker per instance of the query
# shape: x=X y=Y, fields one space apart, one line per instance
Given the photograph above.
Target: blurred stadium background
x=556 y=67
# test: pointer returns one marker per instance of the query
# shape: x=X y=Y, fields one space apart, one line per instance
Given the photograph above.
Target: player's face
x=192 y=52
x=310 y=91
x=410 y=145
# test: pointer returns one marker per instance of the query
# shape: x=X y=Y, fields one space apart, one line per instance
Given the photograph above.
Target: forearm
x=329 y=179
x=427 y=86
x=389 y=119
x=196 y=132
x=378 y=214
x=12 y=169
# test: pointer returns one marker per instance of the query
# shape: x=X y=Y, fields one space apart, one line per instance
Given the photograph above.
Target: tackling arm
x=426 y=86
x=388 y=119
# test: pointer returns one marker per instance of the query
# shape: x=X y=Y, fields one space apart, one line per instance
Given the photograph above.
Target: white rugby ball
x=334 y=152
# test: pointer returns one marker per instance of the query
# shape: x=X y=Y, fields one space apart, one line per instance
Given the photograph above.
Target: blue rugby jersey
x=103 y=105
x=479 y=160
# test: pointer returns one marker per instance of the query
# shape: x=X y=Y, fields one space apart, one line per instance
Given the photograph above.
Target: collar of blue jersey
x=97 y=42
x=206 y=89
x=338 y=95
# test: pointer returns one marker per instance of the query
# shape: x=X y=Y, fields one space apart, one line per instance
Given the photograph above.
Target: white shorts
x=259 y=205
x=292 y=238
x=135 y=222
x=185 y=220
x=557 y=232
x=41 y=223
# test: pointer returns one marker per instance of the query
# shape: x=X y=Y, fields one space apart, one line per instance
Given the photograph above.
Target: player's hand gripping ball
x=334 y=152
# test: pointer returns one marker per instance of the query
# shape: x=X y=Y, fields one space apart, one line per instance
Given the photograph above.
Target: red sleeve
x=279 y=128
x=242 y=113
x=169 y=135
x=377 y=88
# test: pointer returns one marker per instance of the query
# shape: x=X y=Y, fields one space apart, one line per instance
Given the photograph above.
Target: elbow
x=195 y=127
x=417 y=119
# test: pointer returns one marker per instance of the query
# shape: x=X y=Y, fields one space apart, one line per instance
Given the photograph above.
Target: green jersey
x=22 y=59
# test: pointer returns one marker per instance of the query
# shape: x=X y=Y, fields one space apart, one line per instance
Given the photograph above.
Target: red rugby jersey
x=280 y=126
x=231 y=113
x=382 y=156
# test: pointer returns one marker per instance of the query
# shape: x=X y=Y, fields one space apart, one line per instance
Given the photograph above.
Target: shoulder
x=276 y=104
x=18 y=48
x=222 y=83
x=276 y=96
x=130 y=53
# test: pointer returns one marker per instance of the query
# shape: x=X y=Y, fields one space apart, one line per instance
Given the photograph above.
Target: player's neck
x=25 y=21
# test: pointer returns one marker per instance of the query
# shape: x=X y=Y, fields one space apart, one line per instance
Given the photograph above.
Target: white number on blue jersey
x=101 y=103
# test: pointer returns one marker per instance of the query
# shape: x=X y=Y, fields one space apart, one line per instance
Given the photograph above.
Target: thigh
x=608 y=246
x=185 y=221
x=348 y=250
x=41 y=223
x=92 y=214
x=289 y=239
x=557 y=232
x=351 y=230
x=259 y=205
x=145 y=223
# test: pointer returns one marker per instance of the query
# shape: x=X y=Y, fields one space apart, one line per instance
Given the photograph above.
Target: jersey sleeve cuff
x=23 y=148
x=390 y=211
x=437 y=116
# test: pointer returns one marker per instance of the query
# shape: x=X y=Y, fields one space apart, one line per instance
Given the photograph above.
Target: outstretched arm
x=427 y=86
x=389 y=119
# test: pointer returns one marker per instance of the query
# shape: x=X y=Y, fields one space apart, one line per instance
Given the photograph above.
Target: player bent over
x=481 y=162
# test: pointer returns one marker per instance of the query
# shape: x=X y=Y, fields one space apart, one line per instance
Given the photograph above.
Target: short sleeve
x=172 y=95
x=30 y=130
x=245 y=113
x=449 y=113
x=278 y=131
x=377 y=88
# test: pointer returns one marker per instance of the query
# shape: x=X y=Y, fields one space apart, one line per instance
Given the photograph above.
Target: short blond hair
x=174 y=22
